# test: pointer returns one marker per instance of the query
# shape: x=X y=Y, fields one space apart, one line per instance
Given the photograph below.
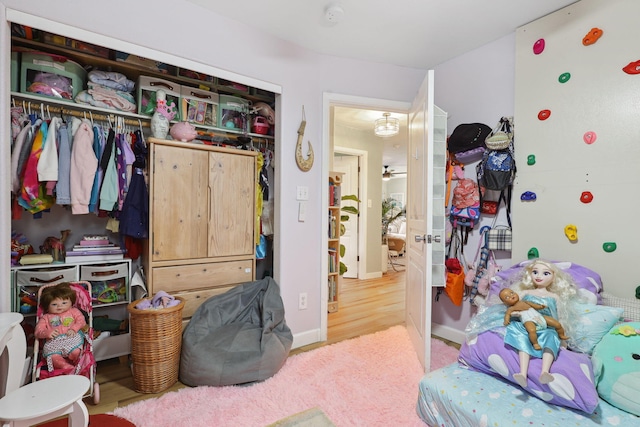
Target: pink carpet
x=367 y=381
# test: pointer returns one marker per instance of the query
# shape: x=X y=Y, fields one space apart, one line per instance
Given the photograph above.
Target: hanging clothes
x=33 y=195
x=23 y=140
x=83 y=168
x=134 y=218
x=48 y=163
x=99 y=143
x=63 y=186
x=109 y=189
x=268 y=206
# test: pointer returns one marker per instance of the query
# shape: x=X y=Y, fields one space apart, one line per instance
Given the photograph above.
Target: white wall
x=184 y=30
x=599 y=97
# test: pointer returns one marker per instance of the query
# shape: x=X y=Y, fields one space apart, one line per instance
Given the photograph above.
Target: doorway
x=370 y=182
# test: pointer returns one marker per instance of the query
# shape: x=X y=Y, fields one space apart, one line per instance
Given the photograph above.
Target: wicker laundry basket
x=156 y=340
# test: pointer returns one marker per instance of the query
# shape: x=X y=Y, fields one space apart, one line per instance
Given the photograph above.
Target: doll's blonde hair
x=562 y=285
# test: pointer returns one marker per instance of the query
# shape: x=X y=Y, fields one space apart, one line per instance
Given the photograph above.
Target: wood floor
x=366 y=306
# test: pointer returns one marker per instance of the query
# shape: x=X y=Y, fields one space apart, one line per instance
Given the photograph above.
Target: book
x=93 y=257
x=95 y=242
x=95 y=248
x=95 y=251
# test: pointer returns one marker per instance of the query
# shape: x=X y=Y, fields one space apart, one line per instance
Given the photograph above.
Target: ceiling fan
x=389 y=173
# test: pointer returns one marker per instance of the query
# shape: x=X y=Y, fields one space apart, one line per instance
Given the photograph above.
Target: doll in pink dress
x=61 y=327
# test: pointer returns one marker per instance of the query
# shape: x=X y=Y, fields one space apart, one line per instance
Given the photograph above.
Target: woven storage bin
x=156 y=340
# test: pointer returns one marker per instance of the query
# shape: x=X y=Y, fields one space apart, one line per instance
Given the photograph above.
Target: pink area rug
x=367 y=381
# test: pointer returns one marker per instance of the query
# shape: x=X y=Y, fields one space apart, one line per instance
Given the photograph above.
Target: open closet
x=62 y=84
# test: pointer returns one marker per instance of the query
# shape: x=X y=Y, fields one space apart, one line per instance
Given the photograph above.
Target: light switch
x=302 y=211
x=302 y=193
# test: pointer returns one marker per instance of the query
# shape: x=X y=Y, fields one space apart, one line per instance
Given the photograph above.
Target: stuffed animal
x=616 y=366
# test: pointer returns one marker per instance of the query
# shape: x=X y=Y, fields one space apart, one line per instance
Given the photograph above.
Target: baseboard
x=306 y=338
x=447 y=333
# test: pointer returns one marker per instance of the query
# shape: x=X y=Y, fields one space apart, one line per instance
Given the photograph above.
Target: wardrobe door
x=180 y=203
x=233 y=215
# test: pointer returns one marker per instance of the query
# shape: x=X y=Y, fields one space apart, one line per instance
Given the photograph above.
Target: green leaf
x=343 y=268
x=350 y=209
x=350 y=197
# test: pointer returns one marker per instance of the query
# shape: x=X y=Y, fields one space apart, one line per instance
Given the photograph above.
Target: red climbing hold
x=632 y=67
x=544 y=114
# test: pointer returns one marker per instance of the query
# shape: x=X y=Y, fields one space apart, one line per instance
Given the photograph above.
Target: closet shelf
x=132 y=70
x=62 y=106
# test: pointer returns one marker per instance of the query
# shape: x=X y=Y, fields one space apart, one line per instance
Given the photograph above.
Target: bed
x=597 y=379
x=455 y=396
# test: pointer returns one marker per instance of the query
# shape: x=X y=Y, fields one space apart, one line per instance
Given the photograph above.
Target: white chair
x=39 y=401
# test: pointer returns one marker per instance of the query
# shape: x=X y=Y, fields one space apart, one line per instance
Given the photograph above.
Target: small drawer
x=198 y=106
x=201 y=276
x=51 y=75
x=147 y=88
x=45 y=276
x=28 y=282
x=109 y=282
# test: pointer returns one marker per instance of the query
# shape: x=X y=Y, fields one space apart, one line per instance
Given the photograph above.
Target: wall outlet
x=302 y=301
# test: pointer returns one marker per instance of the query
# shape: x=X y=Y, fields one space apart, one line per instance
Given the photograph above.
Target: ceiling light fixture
x=387 y=126
x=386 y=175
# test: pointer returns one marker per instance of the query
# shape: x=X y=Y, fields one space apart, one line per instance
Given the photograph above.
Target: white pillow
x=631 y=307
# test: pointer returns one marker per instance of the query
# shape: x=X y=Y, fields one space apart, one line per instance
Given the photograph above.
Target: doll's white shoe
x=546 y=378
x=521 y=380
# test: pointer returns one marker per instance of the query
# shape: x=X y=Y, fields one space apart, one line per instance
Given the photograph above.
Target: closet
x=220 y=180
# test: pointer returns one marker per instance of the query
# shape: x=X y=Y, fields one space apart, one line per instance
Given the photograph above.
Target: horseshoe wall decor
x=304 y=164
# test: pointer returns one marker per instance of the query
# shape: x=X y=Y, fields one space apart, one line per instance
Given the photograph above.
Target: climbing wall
x=577 y=120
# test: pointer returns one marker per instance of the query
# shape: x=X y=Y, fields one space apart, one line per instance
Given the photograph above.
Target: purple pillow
x=589 y=282
x=573 y=386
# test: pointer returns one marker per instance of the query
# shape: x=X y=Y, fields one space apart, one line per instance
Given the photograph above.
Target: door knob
x=421 y=238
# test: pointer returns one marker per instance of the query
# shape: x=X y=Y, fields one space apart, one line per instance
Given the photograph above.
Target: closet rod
x=78 y=112
x=213 y=134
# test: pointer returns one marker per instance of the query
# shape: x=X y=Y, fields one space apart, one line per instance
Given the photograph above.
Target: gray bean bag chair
x=237 y=337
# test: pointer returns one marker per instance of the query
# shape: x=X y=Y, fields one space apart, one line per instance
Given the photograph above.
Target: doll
x=541 y=283
x=60 y=326
x=532 y=320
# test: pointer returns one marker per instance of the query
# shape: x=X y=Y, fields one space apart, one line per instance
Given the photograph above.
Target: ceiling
x=408 y=33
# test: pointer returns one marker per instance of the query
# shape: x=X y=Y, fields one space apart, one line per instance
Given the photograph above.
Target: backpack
x=465 y=193
x=465 y=206
x=497 y=169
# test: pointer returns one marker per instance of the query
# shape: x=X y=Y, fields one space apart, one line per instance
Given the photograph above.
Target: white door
x=425 y=244
x=349 y=166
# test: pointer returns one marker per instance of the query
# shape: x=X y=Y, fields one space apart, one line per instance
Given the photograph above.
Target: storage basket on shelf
x=156 y=341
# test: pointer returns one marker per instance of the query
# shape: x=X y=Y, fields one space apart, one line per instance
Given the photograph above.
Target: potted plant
x=390 y=212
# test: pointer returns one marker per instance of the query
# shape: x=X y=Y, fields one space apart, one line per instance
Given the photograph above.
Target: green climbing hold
x=609 y=246
x=533 y=253
x=564 y=77
x=531 y=159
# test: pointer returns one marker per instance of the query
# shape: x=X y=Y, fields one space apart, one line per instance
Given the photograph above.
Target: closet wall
x=601 y=98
